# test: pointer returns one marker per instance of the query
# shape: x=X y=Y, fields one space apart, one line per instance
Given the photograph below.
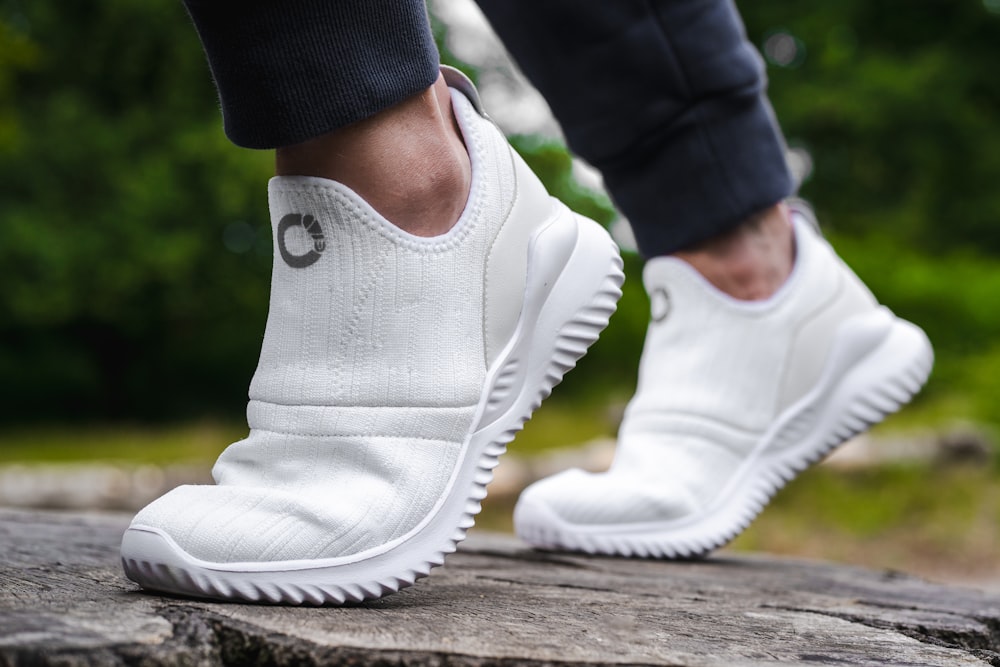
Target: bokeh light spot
x=784 y=49
x=800 y=163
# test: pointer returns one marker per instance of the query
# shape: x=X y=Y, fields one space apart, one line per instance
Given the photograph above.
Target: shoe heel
x=572 y=289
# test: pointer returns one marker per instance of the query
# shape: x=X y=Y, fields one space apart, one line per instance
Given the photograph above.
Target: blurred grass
x=128 y=443
x=938 y=521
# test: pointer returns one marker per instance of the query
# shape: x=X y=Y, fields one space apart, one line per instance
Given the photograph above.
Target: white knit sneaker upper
x=372 y=367
x=721 y=384
x=717 y=371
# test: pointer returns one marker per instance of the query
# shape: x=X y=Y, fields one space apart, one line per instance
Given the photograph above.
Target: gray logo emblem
x=311 y=227
x=659 y=304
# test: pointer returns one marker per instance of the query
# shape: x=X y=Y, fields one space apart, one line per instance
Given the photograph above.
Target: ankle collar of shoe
x=469 y=121
x=667 y=271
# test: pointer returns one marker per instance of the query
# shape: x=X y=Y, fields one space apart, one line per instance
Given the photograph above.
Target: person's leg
x=426 y=294
x=666 y=99
x=764 y=351
x=292 y=71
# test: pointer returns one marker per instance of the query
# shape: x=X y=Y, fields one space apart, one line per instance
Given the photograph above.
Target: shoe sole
x=876 y=365
x=568 y=302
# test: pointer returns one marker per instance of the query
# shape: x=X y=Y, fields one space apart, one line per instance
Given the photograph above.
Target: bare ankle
x=408 y=162
x=751 y=262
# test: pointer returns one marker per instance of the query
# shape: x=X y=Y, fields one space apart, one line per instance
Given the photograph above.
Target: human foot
x=394 y=371
x=734 y=399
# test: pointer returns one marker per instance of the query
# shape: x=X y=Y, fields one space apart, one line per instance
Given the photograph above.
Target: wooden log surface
x=64 y=601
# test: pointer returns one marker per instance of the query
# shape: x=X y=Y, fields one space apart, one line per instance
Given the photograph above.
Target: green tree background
x=135 y=248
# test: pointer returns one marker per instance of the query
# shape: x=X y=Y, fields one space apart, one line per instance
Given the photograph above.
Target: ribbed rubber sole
x=842 y=406
x=562 y=317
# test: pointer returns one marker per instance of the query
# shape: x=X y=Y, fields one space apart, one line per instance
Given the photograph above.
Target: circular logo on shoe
x=310 y=242
x=659 y=304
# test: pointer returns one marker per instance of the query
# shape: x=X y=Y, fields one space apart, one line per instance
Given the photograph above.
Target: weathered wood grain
x=64 y=601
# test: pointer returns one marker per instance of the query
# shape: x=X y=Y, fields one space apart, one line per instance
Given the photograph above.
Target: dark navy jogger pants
x=665 y=97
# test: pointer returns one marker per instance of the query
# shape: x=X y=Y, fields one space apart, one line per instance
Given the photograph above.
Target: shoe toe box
x=231 y=524
x=576 y=499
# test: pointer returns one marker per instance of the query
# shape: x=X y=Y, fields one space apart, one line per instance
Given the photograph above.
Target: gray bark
x=64 y=601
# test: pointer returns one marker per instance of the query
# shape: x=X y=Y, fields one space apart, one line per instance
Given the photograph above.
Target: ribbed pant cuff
x=702 y=180
x=293 y=70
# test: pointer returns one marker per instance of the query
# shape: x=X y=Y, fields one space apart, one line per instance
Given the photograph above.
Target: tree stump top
x=64 y=600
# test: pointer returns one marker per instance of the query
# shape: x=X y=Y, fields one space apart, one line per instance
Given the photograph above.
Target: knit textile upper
x=373 y=362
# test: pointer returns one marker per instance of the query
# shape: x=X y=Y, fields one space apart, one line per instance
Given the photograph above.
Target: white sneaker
x=734 y=399
x=394 y=370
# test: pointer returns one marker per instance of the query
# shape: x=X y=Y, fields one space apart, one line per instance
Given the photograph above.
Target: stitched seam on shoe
x=306 y=434
x=710 y=420
x=365 y=407
x=375 y=269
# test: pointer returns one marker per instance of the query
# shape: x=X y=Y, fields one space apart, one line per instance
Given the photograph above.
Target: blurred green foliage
x=898 y=104
x=135 y=245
